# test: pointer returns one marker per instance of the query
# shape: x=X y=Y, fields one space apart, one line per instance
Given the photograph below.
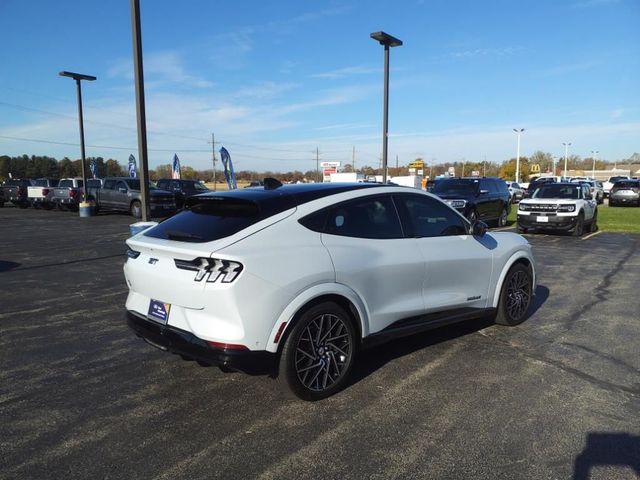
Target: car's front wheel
x=319 y=352
x=502 y=219
x=578 y=230
x=515 y=296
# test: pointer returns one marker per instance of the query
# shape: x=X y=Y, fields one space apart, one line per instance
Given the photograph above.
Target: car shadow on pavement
x=540 y=297
x=374 y=358
x=5 y=265
x=371 y=359
x=606 y=449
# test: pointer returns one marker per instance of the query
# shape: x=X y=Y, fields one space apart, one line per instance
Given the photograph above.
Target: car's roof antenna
x=271 y=183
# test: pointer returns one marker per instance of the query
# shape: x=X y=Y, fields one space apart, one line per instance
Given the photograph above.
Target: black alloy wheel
x=502 y=219
x=319 y=353
x=515 y=296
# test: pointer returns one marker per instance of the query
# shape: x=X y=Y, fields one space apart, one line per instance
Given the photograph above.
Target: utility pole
x=396 y=164
x=353 y=158
x=318 y=165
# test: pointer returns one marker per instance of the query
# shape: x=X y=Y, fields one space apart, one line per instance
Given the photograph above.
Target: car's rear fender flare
x=517 y=257
x=336 y=292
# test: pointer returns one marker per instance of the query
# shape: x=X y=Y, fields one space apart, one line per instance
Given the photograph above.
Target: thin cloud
x=347 y=71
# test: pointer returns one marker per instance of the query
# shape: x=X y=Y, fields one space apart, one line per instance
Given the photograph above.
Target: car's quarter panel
x=459 y=270
x=280 y=263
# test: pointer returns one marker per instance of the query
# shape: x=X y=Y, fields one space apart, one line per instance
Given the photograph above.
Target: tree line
x=35 y=166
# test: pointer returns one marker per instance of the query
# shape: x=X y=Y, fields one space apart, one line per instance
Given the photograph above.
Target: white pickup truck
x=559 y=206
x=41 y=192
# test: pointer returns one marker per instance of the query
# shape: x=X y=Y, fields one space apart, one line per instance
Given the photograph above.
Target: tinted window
x=502 y=187
x=121 y=184
x=489 y=185
x=626 y=184
x=210 y=220
x=109 y=184
x=162 y=184
x=315 y=221
x=459 y=185
x=551 y=190
x=369 y=217
x=425 y=217
x=66 y=183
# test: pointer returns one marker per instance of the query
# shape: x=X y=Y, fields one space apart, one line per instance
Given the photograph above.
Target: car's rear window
x=211 y=218
x=626 y=184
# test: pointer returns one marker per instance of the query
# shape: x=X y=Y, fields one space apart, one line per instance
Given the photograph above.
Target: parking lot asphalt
x=81 y=397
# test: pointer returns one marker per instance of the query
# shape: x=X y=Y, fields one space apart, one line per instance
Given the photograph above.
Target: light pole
x=78 y=77
x=518 y=132
x=566 y=154
x=387 y=41
x=594 y=154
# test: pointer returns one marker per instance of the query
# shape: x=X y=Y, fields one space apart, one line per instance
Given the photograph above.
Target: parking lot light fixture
x=594 y=154
x=566 y=155
x=518 y=132
x=78 y=77
x=387 y=41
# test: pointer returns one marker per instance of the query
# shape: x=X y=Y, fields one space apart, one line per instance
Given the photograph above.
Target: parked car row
x=111 y=193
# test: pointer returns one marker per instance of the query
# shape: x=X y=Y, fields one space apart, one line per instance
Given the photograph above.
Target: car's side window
x=109 y=184
x=369 y=217
x=426 y=217
x=121 y=185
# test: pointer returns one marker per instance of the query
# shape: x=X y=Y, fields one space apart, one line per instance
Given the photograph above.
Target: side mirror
x=478 y=228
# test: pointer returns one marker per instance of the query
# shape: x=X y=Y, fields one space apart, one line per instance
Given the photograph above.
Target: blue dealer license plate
x=159 y=311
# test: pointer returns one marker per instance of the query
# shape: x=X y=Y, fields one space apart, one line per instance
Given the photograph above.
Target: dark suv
x=484 y=198
x=181 y=189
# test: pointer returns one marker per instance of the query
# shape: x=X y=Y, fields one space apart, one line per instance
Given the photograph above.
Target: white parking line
x=592 y=235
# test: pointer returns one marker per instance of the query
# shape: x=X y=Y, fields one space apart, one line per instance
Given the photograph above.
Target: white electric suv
x=293 y=280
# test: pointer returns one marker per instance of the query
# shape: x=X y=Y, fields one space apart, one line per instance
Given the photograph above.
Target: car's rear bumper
x=624 y=199
x=179 y=341
x=554 y=222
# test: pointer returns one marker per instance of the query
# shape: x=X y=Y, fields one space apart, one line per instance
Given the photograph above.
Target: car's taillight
x=45 y=191
x=212 y=269
x=73 y=193
x=20 y=190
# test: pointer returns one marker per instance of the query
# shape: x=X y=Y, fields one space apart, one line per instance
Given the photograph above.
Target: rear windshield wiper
x=177 y=235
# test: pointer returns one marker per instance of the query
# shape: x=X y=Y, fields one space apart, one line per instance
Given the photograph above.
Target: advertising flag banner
x=175 y=170
x=229 y=174
x=133 y=171
x=93 y=167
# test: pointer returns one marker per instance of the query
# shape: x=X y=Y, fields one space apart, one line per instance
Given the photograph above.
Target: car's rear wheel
x=319 y=352
x=578 y=230
x=136 y=209
x=515 y=296
x=502 y=219
x=472 y=216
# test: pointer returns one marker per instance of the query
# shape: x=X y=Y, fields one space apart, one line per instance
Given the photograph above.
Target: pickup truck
x=68 y=194
x=15 y=191
x=559 y=206
x=41 y=192
x=182 y=189
x=123 y=193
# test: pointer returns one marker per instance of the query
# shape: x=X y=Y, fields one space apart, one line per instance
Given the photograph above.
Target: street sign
x=419 y=164
x=329 y=164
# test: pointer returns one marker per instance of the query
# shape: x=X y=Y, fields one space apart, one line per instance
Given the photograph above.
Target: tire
x=136 y=209
x=309 y=361
x=502 y=219
x=578 y=230
x=515 y=296
x=593 y=227
x=23 y=205
x=473 y=216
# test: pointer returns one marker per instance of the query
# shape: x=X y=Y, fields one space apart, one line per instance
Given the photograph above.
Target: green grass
x=610 y=219
x=619 y=219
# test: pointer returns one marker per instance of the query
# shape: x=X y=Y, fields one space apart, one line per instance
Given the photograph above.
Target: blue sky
x=276 y=80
